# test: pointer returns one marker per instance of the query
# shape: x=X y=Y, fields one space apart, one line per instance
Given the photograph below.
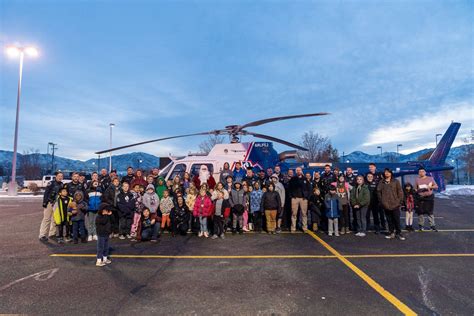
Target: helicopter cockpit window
x=178 y=170
x=195 y=168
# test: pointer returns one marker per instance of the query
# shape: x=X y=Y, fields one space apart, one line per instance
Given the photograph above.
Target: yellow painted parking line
x=371 y=282
x=201 y=257
x=415 y=255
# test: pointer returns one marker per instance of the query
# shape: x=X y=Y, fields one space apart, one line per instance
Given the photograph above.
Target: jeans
x=78 y=227
x=393 y=219
x=379 y=217
x=421 y=219
x=257 y=221
x=345 y=217
x=91 y=223
x=303 y=204
x=361 y=216
x=271 y=215
x=102 y=247
x=237 y=219
x=60 y=230
x=333 y=225
x=151 y=233
x=203 y=224
x=48 y=226
x=125 y=225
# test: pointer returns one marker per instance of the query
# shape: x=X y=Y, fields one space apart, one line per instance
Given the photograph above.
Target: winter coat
x=224 y=174
x=160 y=188
x=51 y=192
x=280 y=189
x=103 y=224
x=238 y=175
x=190 y=200
x=128 y=178
x=151 y=201
x=316 y=202
x=215 y=194
x=203 y=206
x=126 y=204
x=256 y=201
x=362 y=198
x=343 y=192
x=110 y=195
x=211 y=182
x=372 y=186
x=81 y=207
x=333 y=206
x=166 y=205
x=105 y=182
x=390 y=194
x=138 y=180
x=72 y=187
x=237 y=198
x=95 y=196
x=225 y=208
x=60 y=212
x=138 y=202
x=271 y=201
x=299 y=187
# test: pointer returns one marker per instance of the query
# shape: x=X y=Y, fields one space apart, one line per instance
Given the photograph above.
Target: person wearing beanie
x=103 y=223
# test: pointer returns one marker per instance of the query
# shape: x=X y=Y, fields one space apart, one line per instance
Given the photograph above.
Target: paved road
x=300 y=276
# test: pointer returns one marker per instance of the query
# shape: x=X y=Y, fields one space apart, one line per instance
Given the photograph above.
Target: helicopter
x=251 y=155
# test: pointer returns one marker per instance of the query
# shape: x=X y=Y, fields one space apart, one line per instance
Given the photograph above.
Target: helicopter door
x=179 y=170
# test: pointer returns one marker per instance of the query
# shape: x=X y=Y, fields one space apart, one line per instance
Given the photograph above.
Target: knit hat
x=150 y=187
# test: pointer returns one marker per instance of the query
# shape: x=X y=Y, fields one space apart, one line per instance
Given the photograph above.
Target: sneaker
x=330 y=234
x=245 y=229
x=222 y=236
x=401 y=237
x=214 y=237
x=60 y=241
x=362 y=235
x=421 y=228
x=129 y=237
x=358 y=234
x=94 y=237
x=342 y=232
x=336 y=234
x=348 y=231
x=153 y=240
x=99 y=263
x=200 y=234
x=43 y=239
x=121 y=237
x=206 y=234
x=278 y=230
x=115 y=235
x=433 y=228
x=111 y=236
x=67 y=239
x=89 y=238
x=106 y=260
x=390 y=236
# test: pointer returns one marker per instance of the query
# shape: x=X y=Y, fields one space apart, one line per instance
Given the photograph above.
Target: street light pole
x=380 y=147
x=457 y=169
x=111 y=125
x=398 y=146
x=437 y=138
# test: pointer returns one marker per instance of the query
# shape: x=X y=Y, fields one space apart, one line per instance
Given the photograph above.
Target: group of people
x=140 y=207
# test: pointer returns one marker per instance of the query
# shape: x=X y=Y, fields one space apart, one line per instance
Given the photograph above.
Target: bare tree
x=30 y=165
x=319 y=149
x=206 y=145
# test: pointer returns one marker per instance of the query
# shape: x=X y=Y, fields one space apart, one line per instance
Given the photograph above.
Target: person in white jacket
x=280 y=189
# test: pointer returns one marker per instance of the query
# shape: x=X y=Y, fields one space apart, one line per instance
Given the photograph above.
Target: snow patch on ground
x=452 y=190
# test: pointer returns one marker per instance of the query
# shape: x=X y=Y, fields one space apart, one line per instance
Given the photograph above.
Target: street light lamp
x=18 y=51
x=380 y=147
x=111 y=125
x=437 y=138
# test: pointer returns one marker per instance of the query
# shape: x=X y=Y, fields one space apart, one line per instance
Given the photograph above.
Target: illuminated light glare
x=13 y=51
x=31 y=51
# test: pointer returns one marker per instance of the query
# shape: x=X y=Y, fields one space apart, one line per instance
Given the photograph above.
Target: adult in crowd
x=374 y=207
x=278 y=173
x=262 y=179
x=360 y=200
x=138 y=179
x=280 y=189
x=239 y=173
x=424 y=186
x=75 y=185
x=225 y=172
x=94 y=178
x=350 y=177
x=327 y=178
x=129 y=176
x=271 y=204
x=83 y=181
x=390 y=195
x=155 y=172
x=204 y=177
x=299 y=190
x=373 y=170
x=249 y=177
x=48 y=226
x=104 y=179
x=110 y=198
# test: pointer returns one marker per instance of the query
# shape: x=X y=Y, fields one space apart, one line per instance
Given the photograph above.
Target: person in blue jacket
x=95 y=194
x=333 y=208
x=239 y=172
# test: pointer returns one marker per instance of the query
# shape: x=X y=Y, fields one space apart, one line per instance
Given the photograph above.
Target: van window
x=47 y=178
x=195 y=168
x=178 y=170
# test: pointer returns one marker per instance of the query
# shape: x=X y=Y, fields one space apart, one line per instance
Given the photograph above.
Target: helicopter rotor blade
x=215 y=132
x=274 y=139
x=279 y=118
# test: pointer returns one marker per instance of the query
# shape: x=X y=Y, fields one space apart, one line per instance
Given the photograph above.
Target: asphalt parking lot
x=428 y=274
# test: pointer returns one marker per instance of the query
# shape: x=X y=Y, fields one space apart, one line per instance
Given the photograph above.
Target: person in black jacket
x=75 y=185
x=299 y=190
x=110 y=197
x=48 y=227
x=271 y=204
x=316 y=204
x=129 y=177
x=103 y=224
x=126 y=207
x=180 y=216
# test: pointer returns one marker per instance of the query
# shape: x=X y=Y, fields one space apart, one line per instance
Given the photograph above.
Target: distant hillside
x=121 y=162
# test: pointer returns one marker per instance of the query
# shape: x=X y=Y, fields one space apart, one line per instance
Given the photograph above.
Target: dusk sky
x=389 y=72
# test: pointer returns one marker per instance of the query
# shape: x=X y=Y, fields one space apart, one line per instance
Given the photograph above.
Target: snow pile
x=458 y=190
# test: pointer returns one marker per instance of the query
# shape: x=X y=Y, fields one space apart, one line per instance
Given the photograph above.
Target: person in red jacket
x=203 y=209
x=138 y=179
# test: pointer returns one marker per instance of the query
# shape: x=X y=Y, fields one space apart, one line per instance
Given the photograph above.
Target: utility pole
x=53 y=149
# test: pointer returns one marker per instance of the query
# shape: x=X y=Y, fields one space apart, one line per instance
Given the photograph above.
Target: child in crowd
x=342 y=189
x=95 y=194
x=316 y=205
x=409 y=206
x=61 y=215
x=103 y=223
x=126 y=206
x=150 y=228
x=203 y=209
x=220 y=205
x=271 y=204
x=160 y=187
x=78 y=209
x=333 y=207
x=166 y=205
x=138 y=211
x=238 y=202
x=181 y=213
x=256 y=207
x=190 y=200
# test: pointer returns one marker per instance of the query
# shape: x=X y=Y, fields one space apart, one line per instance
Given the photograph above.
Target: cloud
x=417 y=132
